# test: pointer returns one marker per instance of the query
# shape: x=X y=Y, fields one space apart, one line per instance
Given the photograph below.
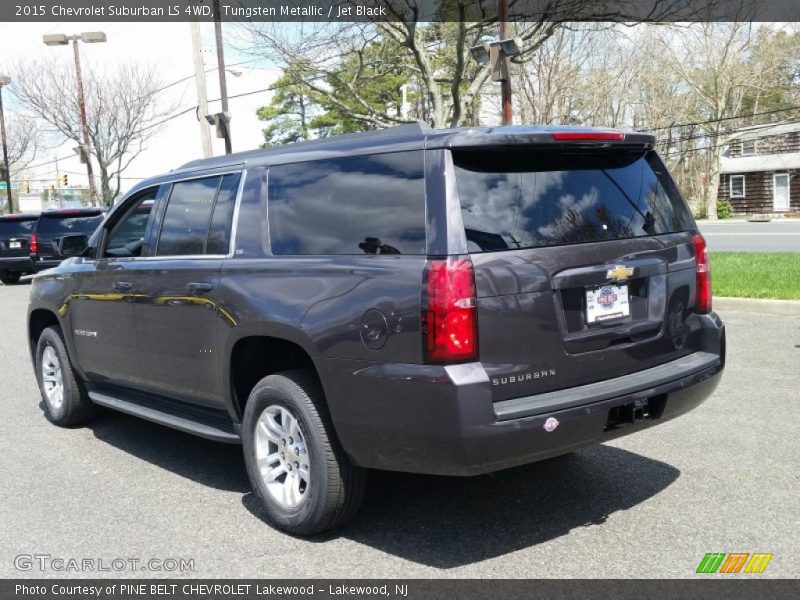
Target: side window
x=219 y=232
x=127 y=236
x=186 y=221
x=357 y=205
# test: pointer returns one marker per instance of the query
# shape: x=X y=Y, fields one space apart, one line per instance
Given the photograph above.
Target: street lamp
x=4 y=81
x=87 y=37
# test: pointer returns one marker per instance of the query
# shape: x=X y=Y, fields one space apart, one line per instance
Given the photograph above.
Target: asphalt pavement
x=779 y=235
x=724 y=478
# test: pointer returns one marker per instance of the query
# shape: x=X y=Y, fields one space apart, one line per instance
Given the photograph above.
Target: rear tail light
x=581 y=136
x=449 y=316
x=33 y=244
x=703 y=299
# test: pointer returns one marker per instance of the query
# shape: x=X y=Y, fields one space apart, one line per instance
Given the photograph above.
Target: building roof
x=763 y=162
x=755 y=132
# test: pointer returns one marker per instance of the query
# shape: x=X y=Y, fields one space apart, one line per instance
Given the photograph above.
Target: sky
x=168 y=47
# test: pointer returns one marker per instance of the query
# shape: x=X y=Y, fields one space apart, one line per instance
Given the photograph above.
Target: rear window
x=356 y=205
x=525 y=198
x=17 y=226
x=68 y=224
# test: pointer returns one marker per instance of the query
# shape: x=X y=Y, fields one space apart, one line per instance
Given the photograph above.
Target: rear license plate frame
x=615 y=305
x=14 y=245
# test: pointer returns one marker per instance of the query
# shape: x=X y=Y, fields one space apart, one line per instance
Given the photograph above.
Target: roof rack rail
x=406 y=129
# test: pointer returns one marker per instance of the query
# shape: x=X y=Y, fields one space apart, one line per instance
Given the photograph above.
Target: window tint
x=357 y=205
x=188 y=214
x=14 y=226
x=69 y=224
x=523 y=199
x=127 y=238
x=219 y=232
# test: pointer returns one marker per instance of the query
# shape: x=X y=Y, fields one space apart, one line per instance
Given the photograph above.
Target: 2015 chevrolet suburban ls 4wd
x=447 y=302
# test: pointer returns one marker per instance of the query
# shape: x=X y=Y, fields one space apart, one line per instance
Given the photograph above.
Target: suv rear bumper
x=441 y=420
x=16 y=264
x=42 y=264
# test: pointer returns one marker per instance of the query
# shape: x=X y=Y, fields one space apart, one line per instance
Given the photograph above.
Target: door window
x=199 y=216
x=127 y=236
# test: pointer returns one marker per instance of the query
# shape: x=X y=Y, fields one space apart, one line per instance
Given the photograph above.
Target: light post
x=87 y=37
x=4 y=81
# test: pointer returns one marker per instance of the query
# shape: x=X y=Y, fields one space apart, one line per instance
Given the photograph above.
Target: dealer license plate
x=15 y=244
x=607 y=302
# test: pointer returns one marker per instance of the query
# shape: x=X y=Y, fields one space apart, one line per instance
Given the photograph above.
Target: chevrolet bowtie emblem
x=619 y=273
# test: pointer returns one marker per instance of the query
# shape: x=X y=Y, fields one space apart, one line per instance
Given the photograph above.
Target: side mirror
x=73 y=245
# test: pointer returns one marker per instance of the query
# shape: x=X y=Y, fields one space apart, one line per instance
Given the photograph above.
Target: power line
x=713 y=146
x=676 y=125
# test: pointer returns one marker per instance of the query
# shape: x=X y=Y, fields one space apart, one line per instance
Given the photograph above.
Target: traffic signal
x=64 y=181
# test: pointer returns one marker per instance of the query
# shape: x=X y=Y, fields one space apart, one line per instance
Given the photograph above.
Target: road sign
x=4 y=185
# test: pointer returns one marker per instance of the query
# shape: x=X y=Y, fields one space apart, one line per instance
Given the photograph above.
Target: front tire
x=297 y=469
x=10 y=277
x=66 y=402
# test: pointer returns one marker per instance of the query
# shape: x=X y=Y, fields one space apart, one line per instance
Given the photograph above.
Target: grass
x=756 y=275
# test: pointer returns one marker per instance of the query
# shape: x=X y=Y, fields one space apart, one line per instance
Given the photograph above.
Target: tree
x=122 y=105
x=716 y=62
x=431 y=57
x=289 y=112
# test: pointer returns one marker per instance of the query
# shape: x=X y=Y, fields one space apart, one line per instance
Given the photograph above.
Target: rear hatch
x=584 y=263
x=54 y=225
x=15 y=235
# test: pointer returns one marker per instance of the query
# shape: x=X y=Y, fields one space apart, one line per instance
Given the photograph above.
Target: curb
x=758 y=305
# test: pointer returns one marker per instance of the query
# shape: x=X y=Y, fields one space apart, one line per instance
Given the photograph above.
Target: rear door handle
x=122 y=286
x=199 y=287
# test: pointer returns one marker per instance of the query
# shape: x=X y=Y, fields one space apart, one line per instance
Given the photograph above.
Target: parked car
x=55 y=224
x=15 y=235
x=444 y=302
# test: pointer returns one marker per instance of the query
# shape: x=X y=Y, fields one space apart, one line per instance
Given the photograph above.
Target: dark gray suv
x=446 y=302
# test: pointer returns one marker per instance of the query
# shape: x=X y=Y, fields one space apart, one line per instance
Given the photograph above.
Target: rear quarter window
x=357 y=205
x=10 y=227
x=526 y=198
x=69 y=224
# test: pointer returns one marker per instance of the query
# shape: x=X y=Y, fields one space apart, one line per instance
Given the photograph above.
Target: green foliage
x=724 y=209
x=289 y=112
x=756 y=275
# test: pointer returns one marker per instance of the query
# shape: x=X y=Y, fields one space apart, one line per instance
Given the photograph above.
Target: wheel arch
x=258 y=350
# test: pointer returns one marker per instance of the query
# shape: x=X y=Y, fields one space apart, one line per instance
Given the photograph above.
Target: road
x=724 y=478
x=781 y=235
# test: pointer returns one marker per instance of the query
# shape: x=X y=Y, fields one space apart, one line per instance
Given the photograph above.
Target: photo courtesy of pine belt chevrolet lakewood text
x=445 y=302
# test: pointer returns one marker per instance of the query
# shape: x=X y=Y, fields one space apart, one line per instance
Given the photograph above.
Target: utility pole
x=505 y=84
x=6 y=170
x=202 y=96
x=223 y=84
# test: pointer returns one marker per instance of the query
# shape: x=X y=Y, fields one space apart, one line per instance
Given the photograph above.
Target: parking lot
x=724 y=478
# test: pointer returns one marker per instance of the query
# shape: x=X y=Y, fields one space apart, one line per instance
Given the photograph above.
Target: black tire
x=336 y=487
x=75 y=407
x=10 y=277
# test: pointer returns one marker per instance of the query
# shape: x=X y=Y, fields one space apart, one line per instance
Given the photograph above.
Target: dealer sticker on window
x=607 y=302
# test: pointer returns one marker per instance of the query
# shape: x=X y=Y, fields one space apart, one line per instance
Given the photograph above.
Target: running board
x=159 y=412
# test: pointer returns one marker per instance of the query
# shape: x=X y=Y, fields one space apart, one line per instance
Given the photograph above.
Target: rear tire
x=10 y=277
x=296 y=466
x=66 y=402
